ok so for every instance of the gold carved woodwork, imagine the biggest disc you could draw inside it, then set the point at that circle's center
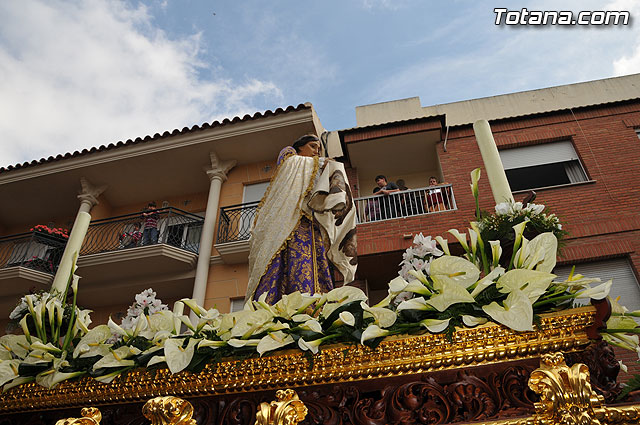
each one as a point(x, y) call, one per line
point(396, 356)
point(566, 397)
point(90, 416)
point(286, 410)
point(168, 410)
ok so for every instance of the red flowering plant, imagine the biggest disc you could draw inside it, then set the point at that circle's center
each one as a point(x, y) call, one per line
point(56, 231)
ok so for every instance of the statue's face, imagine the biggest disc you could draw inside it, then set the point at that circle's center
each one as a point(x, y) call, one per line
point(310, 149)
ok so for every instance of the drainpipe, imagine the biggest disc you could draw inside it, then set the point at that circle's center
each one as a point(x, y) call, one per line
point(217, 174)
point(88, 197)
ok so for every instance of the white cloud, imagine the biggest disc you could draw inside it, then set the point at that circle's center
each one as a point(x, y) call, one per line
point(629, 63)
point(76, 74)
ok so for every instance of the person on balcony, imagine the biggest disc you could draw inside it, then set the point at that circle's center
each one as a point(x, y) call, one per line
point(305, 214)
point(389, 207)
point(436, 199)
point(131, 239)
point(150, 218)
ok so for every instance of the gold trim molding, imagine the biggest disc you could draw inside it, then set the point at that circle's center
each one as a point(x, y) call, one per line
point(488, 344)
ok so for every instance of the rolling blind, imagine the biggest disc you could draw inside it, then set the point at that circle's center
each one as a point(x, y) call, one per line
point(624, 286)
point(529, 156)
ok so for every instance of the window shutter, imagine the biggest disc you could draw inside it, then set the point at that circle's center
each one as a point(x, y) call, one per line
point(547, 153)
point(624, 286)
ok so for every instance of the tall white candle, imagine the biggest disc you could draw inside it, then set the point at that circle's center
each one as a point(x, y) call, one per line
point(492, 163)
point(78, 232)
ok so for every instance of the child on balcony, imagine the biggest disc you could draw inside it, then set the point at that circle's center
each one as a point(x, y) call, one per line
point(131, 239)
point(150, 217)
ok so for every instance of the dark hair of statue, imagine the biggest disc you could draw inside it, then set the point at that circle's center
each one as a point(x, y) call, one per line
point(301, 141)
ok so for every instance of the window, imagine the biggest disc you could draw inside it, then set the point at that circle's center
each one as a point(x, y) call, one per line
point(237, 304)
point(638, 132)
point(254, 192)
point(549, 164)
point(624, 286)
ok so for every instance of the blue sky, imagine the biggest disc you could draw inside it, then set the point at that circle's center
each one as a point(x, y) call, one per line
point(77, 74)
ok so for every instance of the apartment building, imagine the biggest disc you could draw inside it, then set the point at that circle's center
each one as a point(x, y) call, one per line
point(576, 146)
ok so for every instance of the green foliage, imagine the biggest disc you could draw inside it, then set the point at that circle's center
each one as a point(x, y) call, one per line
point(633, 384)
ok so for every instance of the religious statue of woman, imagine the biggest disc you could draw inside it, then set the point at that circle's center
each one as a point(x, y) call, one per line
point(305, 220)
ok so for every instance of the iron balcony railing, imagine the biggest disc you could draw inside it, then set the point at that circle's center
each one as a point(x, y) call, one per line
point(235, 222)
point(35, 250)
point(406, 203)
point(174, 227)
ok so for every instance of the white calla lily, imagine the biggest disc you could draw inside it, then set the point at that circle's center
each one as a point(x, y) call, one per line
point(17, 382)
point(193, 305)
point(397, 285)
point(238, 343)
point(273, 341)
point(533, 283)
point(345, 318)
point(461, 237)
point(598, 292)
point(435, 325)
point(25, 327)
point(540, 253)
point(417, 287)
point(458, 269)
point(8, 370)
point(444, 244)
point(298, 318)
point(487, 281)
point(515, 313)
point(472, 321)
point(383, 317)
point(473, 242)
point(310, 345)
point(373, 331)
point(92, 344)
point(45, 347)
point(418, 303)
point(211, 343)
point(294, 303)
point(311, 325)
point(496, 252)
point(14, 346)
point(109, 377)
point(119, 357)
point(156, 360)
point(177, 356)
point(449, 292)
point(343, 295)
point(51, 378)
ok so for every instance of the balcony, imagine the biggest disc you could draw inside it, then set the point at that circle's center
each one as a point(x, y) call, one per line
point(407, 203)
point(28, 262)
point(115, 251)
point(234, 231)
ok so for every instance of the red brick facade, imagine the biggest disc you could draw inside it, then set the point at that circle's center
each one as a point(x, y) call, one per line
point(601, 215)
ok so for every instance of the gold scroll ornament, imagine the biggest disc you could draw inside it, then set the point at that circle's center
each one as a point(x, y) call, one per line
point(286, 410)
point(90, 416)
point(566, 397)
point(168, 410)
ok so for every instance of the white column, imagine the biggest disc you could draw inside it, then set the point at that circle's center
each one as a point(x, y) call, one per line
point(88, 198)
point(492, 163)
point(217, 174)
